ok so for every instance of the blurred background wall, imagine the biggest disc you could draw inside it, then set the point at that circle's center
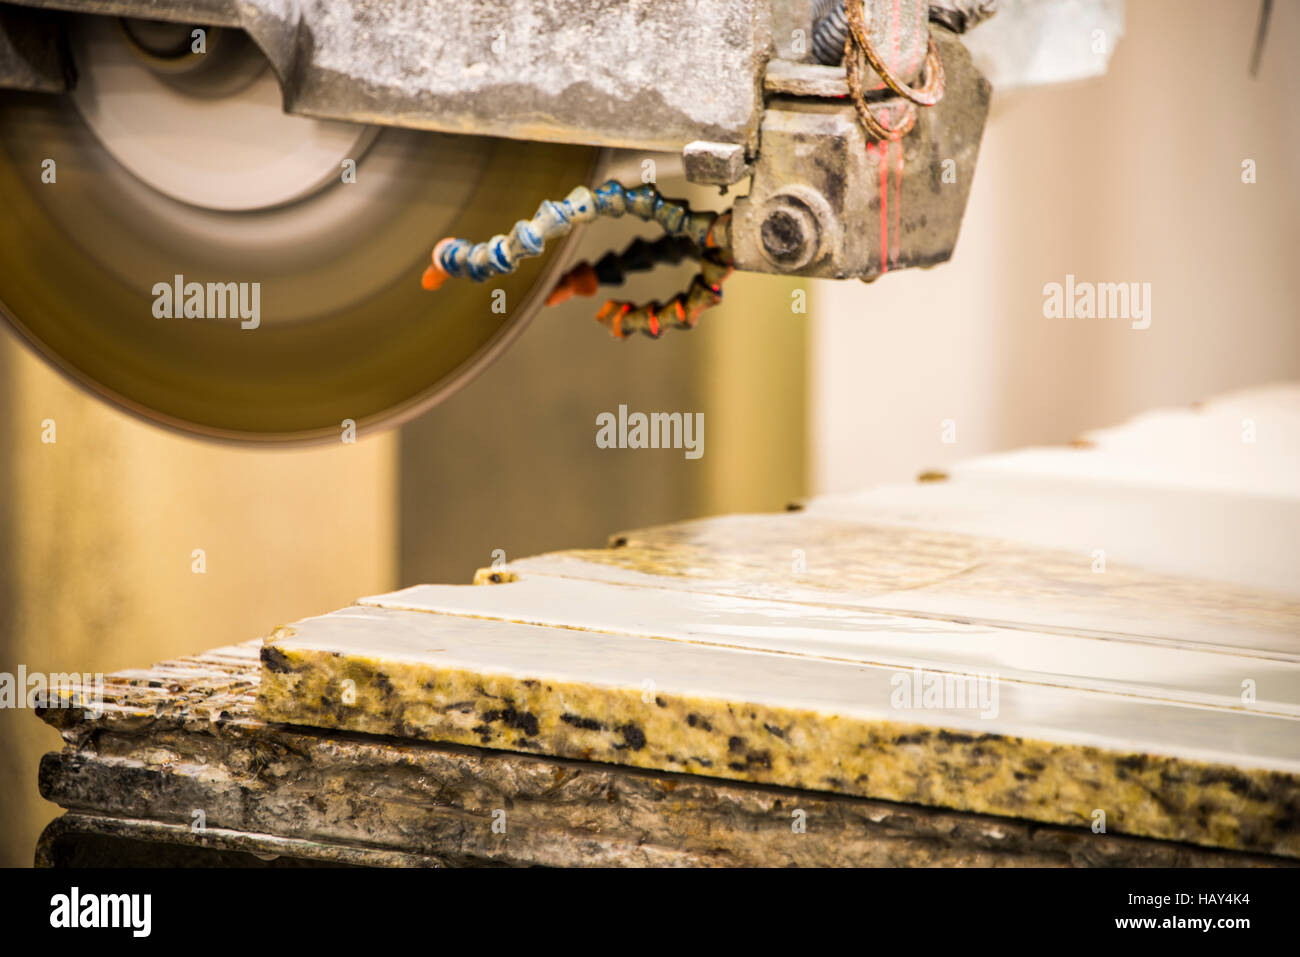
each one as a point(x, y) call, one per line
point(97, 538)
point(1134, 177)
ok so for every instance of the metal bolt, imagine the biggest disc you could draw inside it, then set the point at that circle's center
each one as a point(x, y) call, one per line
point(789, 233)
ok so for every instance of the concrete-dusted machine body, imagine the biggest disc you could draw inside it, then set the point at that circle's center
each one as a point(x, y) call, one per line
point(732, 85)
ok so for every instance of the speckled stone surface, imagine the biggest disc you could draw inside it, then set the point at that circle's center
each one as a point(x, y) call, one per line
point(1154, 767)
point(180, 738)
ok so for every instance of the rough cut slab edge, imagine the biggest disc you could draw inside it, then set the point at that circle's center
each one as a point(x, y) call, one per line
point(353, 798)
point(443, 804)
point(267, 847)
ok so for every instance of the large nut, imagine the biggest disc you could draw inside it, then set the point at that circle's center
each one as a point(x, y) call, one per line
point(789, 232)
point(794, 228)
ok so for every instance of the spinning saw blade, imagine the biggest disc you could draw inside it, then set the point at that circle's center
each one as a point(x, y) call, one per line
point(169, 169)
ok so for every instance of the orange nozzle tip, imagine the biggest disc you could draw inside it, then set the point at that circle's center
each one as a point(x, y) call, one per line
point(584, 280)
point(579, 281)
point(432, 278)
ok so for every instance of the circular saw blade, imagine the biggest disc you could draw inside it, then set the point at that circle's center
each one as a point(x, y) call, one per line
point(345, 330)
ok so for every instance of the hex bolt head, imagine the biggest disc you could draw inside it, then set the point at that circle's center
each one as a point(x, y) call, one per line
point(789, 233)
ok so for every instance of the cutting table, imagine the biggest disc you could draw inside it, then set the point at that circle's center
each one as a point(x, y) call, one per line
point(1061, 656)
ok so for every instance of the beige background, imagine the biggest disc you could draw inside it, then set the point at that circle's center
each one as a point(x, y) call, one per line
point(1132, 177)
point(97, 532)
point(511, 462)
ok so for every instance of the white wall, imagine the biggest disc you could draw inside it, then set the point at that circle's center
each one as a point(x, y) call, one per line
point(1133, 177)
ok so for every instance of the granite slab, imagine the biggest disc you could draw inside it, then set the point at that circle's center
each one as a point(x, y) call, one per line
point(1105, 635)
point(178, 770)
